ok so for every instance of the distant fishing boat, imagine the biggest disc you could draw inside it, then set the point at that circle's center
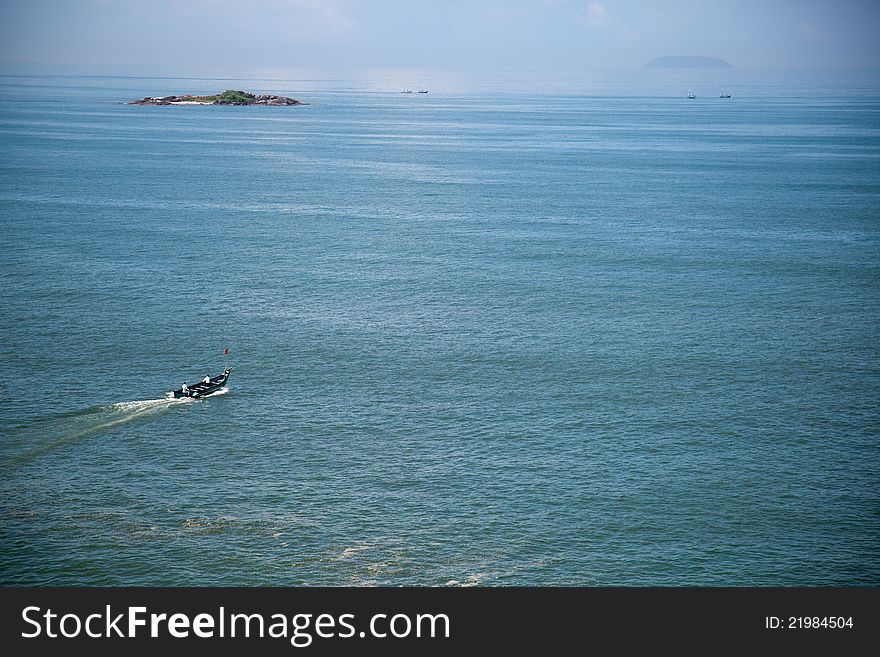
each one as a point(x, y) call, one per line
point(406, 91)
point(691, 96)
point(203, 388)
point(423, 91)
point(724, 96)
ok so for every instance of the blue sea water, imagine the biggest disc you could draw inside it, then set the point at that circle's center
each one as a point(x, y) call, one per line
point(516, 331)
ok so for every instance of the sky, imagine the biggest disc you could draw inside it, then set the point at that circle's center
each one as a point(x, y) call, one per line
point(465, 35)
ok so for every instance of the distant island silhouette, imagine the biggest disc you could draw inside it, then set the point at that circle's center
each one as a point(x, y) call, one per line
point(688, 61)
point(228, 97)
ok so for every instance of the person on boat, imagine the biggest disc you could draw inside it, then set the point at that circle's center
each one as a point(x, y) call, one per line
point(207, 379)
point(184, 389)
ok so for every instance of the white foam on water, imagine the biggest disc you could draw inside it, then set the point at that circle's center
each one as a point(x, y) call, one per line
point(353, 550)
point(132, 410)
point(122, 412)
point(53, 432)
point(145, 405)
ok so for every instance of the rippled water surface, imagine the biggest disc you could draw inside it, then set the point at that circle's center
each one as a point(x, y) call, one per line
point(589, 334)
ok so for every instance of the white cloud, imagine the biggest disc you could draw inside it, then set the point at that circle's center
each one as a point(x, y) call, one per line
point(300, 18)
point(807, 31)
point(594, 14)
point(330, 15)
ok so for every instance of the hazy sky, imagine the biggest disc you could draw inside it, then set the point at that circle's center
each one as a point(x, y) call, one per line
point(542, 35)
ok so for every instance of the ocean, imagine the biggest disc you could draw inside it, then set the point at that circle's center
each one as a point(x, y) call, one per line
point(520, 330)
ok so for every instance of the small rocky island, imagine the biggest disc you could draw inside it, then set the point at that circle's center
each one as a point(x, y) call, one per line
point(228, 97)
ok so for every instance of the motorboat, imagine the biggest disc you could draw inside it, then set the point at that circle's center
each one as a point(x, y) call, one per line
point(205, 387)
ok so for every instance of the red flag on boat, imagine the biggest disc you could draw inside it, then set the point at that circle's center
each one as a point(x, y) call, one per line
point(226, 351)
